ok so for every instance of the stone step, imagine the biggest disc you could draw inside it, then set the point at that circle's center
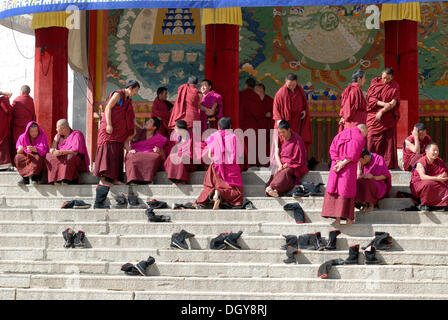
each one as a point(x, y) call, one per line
point(70, 294)
point(233, 270)
point(284, 285)
point(201, 242)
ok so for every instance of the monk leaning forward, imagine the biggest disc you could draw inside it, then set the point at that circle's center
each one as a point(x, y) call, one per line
point(414, 146)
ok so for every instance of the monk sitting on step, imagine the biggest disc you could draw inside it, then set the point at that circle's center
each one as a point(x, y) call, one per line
point(414, 146)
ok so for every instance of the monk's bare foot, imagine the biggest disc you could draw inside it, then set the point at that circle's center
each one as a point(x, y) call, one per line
point(368, 208)
point(337, 222)
point(273, 193)
point(349, 222)
point(217, 199)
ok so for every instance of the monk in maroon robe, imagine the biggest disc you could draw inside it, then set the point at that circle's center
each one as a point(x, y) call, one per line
point(32, 146)
point(186, 106)
point(68, 156)
point(161, 108)
point(345, 151)
point(414, 146)
point(147, 153)
point(116, 128)
point(267, 104)
point(353, 104)
point(429, 179)
point(5, 122)
point(290, 104)
point(383, 113)
point(290, 161)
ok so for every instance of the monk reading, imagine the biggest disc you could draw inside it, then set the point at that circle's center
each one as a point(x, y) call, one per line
point(146, 153)
point(383, 113)
point(290, 104)
point(374, 181)
point(414, 146)
point(267, 103)
point(116, 127)
point(161, 108)
point(223, 181)
point(429, 180)
point(5, 122)
point(211, 106)
point(32, 146)
point(68, 155)
point(186, 106)
point(290, 157)
point(353, 104)
point(345, 151)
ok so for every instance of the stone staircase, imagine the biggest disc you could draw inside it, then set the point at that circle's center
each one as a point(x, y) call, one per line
point(34, 264)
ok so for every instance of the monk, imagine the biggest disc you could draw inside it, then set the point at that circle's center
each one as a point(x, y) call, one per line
point(383, 113)
point(186, 106)
point(290, 157)
point(161, 108)
point(414, 146)
point(68, 155)
point(353, 104)
point(116, 127)
point(429, 180)
point(290, 104)
point(223, 181)
point(211, 106)
point(267, 103)
point(146, 153)
point(345, 151)
point(32, 146)
point(374, 181)
point(5, 122)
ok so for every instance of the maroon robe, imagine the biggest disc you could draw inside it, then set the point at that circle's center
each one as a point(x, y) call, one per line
point(382, 135)
point(353, 107)
point(186, 106)
point(109, 153)
point(410, 158)
point(251, 112)
point(161, 110)
point(22, 113)
point(5, 121)
point(288, 106)
point(179, 160)
point(431, 193)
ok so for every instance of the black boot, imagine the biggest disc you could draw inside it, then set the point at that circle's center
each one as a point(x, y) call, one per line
point(80, 204)
point(324, 269)
point(79, 239)
point(122, 202)
point(291, 241)
point(152, 217)
point(306, 241)
point(142, 265)
point(134, 203)
point(24, 181)
point(353, 254)
point(290, 252)
point(370, 255)
point(318, 243)
point(299, 214)
point(382, 241)
point(331, 245)
point(101, 196)
point(300, 191)
point(232, 238)
point(217, 243)
point(178, 239)
point(130, 269)
point(69, 237)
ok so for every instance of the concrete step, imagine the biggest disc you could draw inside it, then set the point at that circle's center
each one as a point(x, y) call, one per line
point(71, 294)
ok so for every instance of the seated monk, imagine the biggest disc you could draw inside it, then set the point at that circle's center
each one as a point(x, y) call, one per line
point(429, 179)
point(223, 181)
point(290, 161)
point(161, 108)
point(374, 181)
point(414, 146)
point(32, 146)
point(68, 155)
point(146, 153)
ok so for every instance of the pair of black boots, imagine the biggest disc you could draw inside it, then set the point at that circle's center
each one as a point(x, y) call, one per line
point(72, 239)
point(131, 202)
point(152, 217)
point(226, 239)
point(178, 239)
point(312, 241)
point(308, 189)
point(139, 268)
point(369, 252)
point(26, 180)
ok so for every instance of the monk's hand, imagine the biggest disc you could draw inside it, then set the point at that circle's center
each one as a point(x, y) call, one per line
point(342, 121)
point(285, 165)
point(267, 115)
point(368, 176)
point(303, 115)
point(131, 151)
point(443, 177)
point(157, 150)
point(57, 153)
point(415, 133)
point(379, 115)
point(109, 129)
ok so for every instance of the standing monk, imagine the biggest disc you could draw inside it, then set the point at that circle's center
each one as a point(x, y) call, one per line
point(68, 155)
point(267, 103)
point(383, 113)
point(186, 106)
point(353, 104)
point(290, 157)
point(414, 146)
point(5, 122)
point(429, 179)
point(345, 151)
point(290, 104)
point(161, 108)
point(211, 107)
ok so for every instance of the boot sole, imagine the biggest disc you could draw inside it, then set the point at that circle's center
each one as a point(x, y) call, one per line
point(230, 245)
point(178, 246)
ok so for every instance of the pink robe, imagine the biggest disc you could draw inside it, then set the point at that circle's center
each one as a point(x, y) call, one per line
point(353, 107)
point(208, 101)
point(376, 167)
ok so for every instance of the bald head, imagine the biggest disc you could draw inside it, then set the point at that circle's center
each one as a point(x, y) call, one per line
point(25, 89)
point(63, 127)
point(63, 123)
point(363, 129)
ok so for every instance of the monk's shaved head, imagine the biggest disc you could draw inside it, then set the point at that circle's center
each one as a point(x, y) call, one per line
point(25, 89)
point(363, 129)
point(429, 145)
point(63, 123)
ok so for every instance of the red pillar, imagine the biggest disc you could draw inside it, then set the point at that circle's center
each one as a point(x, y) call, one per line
point(51, 77)
point(402, 56)
point(222, 65)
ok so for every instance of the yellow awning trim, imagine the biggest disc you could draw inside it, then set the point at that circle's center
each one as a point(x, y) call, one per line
point(49, 19)
point(222, 16)
point(400, 11)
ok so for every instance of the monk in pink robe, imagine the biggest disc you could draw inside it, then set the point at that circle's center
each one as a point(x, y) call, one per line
point(290, 161)
point(5, 121)
point(223, 181)
point(383, 113)
point(345, 151)
point(161, 108)
point(429, 179)
point(414, 146)
point(147, 153)
point(267, 104)
point(211, 106)
point(116, 128)
point(186, 106)
point(68, 156)
point(32, 146)
point(374, 181)
point(353, 104)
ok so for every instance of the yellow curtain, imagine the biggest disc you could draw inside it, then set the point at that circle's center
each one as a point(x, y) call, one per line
point(400, 11)
point(222, 16)
point(49, 19)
